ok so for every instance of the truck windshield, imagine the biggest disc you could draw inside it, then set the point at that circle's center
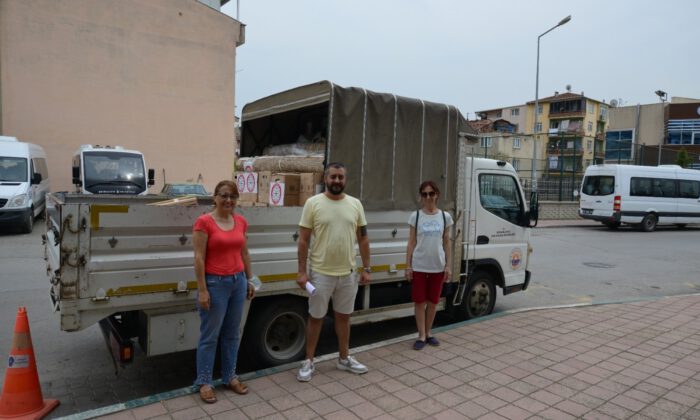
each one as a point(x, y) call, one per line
point(598, 185)
point(109, 172)
point(13, 169)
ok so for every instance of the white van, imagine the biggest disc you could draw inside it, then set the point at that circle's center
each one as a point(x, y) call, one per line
point(642, 196)
point(24, 182)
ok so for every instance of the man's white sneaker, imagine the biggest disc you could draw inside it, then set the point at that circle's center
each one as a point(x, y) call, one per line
point(306, 370)
point(352, 365)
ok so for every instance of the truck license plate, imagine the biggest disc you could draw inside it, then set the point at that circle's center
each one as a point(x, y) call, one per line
point(586, 211)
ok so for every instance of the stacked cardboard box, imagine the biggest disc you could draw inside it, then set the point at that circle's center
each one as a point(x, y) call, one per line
point(267, 188)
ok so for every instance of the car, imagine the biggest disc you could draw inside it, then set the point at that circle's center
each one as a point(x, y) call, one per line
point(176, 190)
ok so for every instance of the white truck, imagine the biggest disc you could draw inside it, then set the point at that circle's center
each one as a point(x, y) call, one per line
point(117, 261)
point(110, 170)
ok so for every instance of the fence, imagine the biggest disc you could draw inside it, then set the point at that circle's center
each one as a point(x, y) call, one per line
point(559, 176)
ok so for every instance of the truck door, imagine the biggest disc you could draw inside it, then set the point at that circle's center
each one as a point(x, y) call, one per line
point(500, 212)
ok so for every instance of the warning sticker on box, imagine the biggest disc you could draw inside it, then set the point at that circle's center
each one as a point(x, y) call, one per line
point(18, 361)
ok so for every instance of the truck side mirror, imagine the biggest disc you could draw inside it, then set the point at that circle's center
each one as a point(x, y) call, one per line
point(534, 212)
point(36, 179)
point(76, 176)
point(151, 177)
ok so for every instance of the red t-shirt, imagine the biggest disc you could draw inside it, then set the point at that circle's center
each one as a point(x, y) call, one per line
point(223, 246)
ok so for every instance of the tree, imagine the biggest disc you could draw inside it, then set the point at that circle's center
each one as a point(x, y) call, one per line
point(682, 158)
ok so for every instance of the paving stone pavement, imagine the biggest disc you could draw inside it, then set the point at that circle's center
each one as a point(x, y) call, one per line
point(633, 360)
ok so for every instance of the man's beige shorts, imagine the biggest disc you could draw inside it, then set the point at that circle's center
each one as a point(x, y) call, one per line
point(342, 289)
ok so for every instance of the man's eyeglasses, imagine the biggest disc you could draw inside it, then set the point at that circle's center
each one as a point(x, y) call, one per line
point(228, 197)
point(428, 194)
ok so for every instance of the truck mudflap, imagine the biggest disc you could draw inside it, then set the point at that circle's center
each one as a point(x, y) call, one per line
point(518, 287)
point(118, 343)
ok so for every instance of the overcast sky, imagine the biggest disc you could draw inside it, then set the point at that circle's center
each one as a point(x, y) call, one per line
point(475, 55)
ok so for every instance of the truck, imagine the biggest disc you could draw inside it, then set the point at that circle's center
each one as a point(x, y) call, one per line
point(127, 265)
point(110, 170)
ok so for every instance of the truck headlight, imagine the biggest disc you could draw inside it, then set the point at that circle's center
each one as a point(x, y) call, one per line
point(18, 201)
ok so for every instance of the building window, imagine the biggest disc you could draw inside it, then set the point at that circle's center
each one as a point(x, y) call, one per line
point(538, 127)
point(516, 164)
point(618, 145)
point(515, 112)
point(540, 107)
point(603, 113)
point(486, 142)
point(589, 145)
point(516, 143)
point(684, 131)
point(590, 126)
point(499, 114)
point(591, 108)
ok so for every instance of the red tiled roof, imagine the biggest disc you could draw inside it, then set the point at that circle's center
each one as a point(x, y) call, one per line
point(561, 97)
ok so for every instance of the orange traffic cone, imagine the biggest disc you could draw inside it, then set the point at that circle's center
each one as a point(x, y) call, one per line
point(21, 394)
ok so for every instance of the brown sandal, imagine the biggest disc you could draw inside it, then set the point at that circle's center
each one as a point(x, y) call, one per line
point(206, 393)
point(237, 386)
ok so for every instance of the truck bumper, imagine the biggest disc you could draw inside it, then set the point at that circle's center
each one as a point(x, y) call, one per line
point(518, 287)
point(14, 216)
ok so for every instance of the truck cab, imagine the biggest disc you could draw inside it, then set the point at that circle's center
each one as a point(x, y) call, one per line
point(110, 170)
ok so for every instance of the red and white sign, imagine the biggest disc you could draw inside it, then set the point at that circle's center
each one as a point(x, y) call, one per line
point(251, 181)
point(277, 193)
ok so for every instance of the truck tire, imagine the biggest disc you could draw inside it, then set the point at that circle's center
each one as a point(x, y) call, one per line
point(276, 332)
point(648, 223)
point(479, 298)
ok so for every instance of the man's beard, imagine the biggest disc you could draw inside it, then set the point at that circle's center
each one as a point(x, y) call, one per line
point(335, 189)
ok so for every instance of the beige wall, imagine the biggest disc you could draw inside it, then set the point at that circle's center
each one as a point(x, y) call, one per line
point(651, 120)
point(151, 75)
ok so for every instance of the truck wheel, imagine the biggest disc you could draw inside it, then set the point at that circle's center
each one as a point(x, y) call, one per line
point(649, 223)
point(28, 224)
point(276, 333)
point(479, 298)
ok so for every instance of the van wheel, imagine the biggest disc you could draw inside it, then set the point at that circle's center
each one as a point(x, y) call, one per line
point(276, 333)
point(612, 225)
point(479, 298)
point(649, 223)
point(28, 224)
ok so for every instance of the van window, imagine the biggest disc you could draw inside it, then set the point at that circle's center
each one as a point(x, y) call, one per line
point(664, 187)
point(500, 195)
point(688, 189)
point(641, 187)
point(39, 166)
point(13, 169)
point(598, 185)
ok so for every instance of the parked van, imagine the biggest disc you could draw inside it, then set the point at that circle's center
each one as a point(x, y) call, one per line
point(642, 196)
point(24, 182)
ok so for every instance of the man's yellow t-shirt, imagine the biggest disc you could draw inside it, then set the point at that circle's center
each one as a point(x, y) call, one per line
point(333, 224)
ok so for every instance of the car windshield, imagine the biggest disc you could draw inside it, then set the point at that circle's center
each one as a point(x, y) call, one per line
point(13, 169)
point(114, 172)
point(186, 189)
point(598, 185)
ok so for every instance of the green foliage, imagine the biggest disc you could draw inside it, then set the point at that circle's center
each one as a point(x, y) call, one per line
point(683, 159)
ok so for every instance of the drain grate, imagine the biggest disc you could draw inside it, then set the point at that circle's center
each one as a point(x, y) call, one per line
point(598, 265)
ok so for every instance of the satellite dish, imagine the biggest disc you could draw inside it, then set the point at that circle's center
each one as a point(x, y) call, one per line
point(568, 88)
point(613, 103)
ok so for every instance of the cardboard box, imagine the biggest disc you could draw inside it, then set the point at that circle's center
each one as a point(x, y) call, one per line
point(247, 182)
point(310, 185)
point(264, 186)
point(284, 190)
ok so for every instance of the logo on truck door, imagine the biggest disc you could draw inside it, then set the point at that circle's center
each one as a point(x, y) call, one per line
point(516, 258)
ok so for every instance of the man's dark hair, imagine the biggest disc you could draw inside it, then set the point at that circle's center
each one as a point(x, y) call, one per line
point(336, 165)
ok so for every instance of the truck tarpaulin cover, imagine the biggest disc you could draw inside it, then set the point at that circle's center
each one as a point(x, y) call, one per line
point(389, 144)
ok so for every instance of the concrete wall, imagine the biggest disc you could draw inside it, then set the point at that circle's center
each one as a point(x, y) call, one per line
point(558, 210)
point(651, 121)
point(151, 75)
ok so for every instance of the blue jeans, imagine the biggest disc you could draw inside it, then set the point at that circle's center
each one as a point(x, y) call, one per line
point(221, 322)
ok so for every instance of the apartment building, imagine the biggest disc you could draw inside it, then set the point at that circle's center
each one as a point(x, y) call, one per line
point(152, 75)
point(500, 139)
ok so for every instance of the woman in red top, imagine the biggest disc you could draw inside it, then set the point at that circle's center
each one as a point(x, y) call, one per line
point(222, 268)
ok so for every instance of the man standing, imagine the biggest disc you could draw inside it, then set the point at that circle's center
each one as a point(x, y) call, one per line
point(336, 221)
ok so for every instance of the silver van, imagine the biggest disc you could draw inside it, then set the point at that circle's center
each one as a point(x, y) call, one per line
point(24, 182)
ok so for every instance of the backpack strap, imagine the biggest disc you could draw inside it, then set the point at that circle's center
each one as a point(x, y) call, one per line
point(416, 226)
point(444, 222)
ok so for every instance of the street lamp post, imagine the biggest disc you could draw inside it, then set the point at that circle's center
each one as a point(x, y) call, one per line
point(533, 173)
point(662, 95)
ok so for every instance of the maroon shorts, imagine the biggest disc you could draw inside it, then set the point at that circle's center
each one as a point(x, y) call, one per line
point(426, 287)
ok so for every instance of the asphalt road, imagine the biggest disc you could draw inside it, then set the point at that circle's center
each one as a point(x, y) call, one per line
point(570, 265)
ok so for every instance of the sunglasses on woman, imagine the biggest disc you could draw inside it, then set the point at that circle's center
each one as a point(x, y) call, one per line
point(426, 194)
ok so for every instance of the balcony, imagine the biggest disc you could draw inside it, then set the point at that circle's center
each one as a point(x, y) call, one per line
point(567, 114)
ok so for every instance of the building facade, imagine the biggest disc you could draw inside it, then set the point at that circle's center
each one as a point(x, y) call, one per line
point(151, 75)
point(500, 139)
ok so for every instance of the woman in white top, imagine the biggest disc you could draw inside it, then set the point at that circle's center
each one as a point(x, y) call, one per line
point(428, 260)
